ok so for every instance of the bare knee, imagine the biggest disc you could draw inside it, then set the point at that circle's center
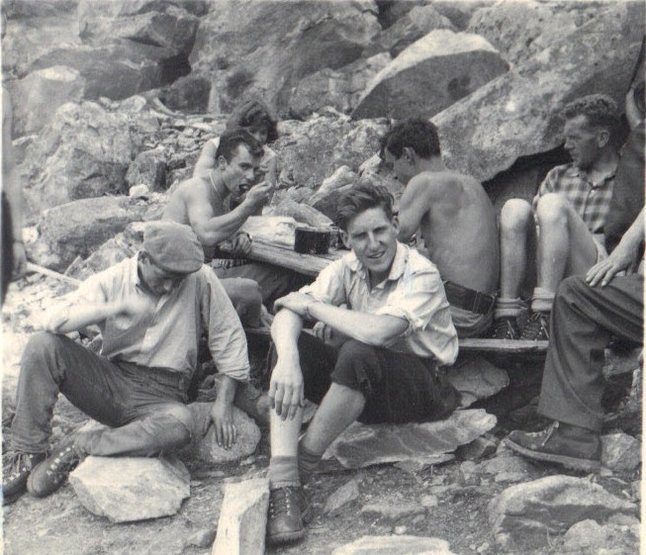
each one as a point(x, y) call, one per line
point(515, 217)
point(551, 209)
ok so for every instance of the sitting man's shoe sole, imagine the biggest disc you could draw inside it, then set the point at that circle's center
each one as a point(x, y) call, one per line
point(573, 463)
point(49, 475)
point(15, 479)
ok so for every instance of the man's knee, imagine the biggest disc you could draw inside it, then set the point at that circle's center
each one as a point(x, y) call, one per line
point(357, 366)
point(551, 208)
point(41, 345)
point(178, 423)
point(515, 216)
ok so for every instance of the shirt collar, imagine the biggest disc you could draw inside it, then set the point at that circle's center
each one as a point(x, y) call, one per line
point(396, 270)
point(574, 171)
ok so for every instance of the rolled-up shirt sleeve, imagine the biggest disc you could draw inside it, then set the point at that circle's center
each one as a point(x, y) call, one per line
point(418, 299)
point(226, 338)
point(328, 286)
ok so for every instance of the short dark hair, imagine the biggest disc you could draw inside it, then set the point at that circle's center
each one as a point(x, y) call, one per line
point(254, 115)
point(230, 141)
point(599, 109)
point(362, 197)
point(416, 133)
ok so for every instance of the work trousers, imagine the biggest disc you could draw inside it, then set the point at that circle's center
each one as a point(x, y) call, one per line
point(398, 387)
point(143, 406)
point(583, 320)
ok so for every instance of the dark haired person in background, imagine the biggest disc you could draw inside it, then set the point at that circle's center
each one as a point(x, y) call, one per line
point(375, 361)
point(565, 221)
point(587, 312)
point(456, 219)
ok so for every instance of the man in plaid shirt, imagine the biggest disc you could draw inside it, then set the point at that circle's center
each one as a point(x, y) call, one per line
point(564, 224)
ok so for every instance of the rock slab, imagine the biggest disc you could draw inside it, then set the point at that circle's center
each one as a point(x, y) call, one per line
point(525, 515)
point(476, 378)
point(360, 445)
point(243, 518)
point(395, 545)
point(347, 493)
point(620, 452)
point(588, 536)
point(127, 489)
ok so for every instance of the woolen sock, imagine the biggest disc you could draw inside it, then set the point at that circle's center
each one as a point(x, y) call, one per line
point(542, 300)
point(308, 462)
point(508, 308)
point(283, 472)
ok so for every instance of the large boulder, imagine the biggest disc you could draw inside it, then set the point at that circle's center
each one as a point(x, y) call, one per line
point(430, 75)
point(588, 536)
point(312, 150)
point(84, 152)
point(78, 228)
point(339, 88)
point(526, 515)
point(265, 48)
point(521, 29)
point(40, 93)
point(164, 23)
point(517, 114)
point(126, 489)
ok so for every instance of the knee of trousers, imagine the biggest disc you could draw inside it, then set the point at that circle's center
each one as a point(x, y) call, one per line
point(570, 289)
point(178, 424)
point(40, 348)
point(356, 362)
point(246, 291)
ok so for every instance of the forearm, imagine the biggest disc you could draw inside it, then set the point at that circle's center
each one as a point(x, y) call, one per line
point(634, 234)
point(221, 228)
point(70, 318)
point(372, 329)
point(285, 330)
point(227, 391)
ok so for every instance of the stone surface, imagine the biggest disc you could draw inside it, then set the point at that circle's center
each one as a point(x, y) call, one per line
point(204, 447)
point(126, 489)
point(160, 23)
point(78, 228)
point(392, 510)
point(264, 48)
point(362, 445)
point(345, 494)
point(312, 150)
point(243, 518)
point(524, 515)
point(395, 545)
point(419, 21)
point(517, 114)
point(40, 93)
point(149, 168)
point(479, 448)
point(84, 152)
point(588, 536)
point(620, 452)
point(430, 75)
point(340, 88)
point(476, 378)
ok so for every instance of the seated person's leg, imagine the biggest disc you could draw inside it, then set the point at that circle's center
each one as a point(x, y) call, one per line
point(246, 298)
point(565, 246)
point(470, 324)
point(517, 237)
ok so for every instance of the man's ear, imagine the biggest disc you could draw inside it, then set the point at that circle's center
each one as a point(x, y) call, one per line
point(221, 162)
point(409, 154)
point(603, 137)
point(395, 222)
point(344, 238)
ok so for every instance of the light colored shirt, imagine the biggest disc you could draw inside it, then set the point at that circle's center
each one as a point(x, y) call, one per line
point(166, 334)
point(412, 291)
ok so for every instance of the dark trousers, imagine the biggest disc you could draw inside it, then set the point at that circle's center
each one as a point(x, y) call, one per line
point(144, 406)
point(398, 387)
point(584, 319)
point(7, 246)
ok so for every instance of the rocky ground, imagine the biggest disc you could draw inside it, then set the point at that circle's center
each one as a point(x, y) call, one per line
point(484, 500)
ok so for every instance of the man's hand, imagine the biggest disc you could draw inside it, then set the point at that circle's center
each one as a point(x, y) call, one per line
point(225, 430)
point(19, 259)
point(329, 335)
point(259, 194)
point(620, 259)
point(296, 302)
point(241, 244)
point(286, 390)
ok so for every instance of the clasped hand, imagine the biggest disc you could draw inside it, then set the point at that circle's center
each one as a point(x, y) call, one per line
point(286, 389)
point(296, 302)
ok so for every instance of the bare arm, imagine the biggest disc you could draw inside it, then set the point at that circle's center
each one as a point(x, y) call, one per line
point(222, 412)
point(11, 186)
point(419, 195)
point(206, 162)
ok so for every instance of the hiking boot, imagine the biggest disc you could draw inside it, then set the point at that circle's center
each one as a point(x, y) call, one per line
point(505, 328)
point(289, 510)
point(15, 474)
point(50, 474)
point(570, 446)
point(537, 327)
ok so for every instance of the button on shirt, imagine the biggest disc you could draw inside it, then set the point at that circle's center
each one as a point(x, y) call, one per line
point(166, 333)
point(413, 291)
point(590, 200)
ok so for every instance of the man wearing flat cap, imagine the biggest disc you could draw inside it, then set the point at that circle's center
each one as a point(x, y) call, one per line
point(151, 310)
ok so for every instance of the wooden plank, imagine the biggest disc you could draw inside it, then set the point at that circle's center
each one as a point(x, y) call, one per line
point(308, 264)
point(31, 267)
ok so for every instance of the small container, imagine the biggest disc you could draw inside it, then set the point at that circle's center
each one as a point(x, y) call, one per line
point(311, 240)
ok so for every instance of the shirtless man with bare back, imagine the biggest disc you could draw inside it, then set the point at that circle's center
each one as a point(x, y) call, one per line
point(456, 220)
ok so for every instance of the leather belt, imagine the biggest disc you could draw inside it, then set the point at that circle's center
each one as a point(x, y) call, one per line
point(468, 299)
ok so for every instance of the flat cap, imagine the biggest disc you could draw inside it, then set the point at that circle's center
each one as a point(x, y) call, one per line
point(173, 247)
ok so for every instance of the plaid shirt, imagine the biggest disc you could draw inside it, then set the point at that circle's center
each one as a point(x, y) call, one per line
point(590, 200)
